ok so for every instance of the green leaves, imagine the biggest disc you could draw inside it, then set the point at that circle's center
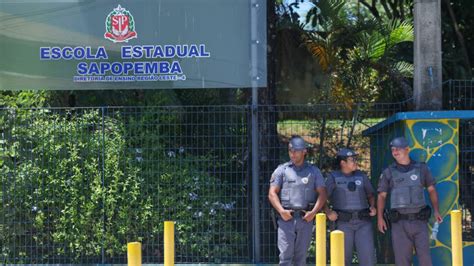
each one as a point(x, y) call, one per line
point(406, 69)
point(358, 54)
point(80, 181)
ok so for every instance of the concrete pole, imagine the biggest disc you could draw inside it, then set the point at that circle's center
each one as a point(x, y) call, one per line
point(427, 52)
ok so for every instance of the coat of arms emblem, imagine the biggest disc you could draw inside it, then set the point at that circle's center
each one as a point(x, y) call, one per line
point(119, 25)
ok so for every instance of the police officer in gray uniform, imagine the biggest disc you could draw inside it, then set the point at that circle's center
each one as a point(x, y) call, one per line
point(405, 181)
point(351, 196)
point(297, 192)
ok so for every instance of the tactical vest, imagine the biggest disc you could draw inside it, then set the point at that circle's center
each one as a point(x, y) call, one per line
point(407, 190)
point(297, 191)
point(344, 199)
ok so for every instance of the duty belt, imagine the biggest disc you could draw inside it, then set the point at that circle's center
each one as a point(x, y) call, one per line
point(345, 216)
point(423, 214)
point(297, 212)
point(409, 216)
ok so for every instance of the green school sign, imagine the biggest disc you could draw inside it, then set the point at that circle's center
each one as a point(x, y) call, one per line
point(134, 44)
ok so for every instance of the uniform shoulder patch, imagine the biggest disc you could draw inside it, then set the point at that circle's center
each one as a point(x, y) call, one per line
point(272, 179)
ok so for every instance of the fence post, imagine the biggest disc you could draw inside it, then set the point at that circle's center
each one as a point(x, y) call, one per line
point(104, 228)
point(254, 64)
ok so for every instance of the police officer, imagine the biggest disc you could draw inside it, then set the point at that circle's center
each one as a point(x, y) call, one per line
point(351, 196)
point(297, 192)
point(405, 181)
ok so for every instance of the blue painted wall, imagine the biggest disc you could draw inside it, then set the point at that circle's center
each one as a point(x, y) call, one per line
point(434, 141)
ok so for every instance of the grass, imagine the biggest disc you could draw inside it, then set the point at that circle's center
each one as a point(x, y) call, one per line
point(337, 135)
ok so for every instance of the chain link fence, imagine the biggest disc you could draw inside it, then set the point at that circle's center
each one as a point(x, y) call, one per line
point(326, 128)
point(459, 95)
point(77, 184)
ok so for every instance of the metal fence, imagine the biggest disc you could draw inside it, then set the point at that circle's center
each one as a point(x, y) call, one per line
point(77, 184)
point(459, 95)
point(326, 127)
point(466, 177)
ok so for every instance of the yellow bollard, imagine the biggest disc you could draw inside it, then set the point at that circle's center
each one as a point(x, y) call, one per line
point(169, 243)
point(456, 237)
point(337, 248)
point(134, 254)
point(320, 239)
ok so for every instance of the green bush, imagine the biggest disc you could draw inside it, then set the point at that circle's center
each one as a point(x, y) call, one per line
point(78, 182)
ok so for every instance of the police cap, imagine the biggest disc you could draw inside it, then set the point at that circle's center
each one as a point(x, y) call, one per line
point(399, 142)
point(346, 152)
point(297, 143)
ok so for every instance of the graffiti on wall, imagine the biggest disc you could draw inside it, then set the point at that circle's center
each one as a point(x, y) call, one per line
point(436, 143)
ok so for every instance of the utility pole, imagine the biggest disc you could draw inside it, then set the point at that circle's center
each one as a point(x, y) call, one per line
point(427, 52)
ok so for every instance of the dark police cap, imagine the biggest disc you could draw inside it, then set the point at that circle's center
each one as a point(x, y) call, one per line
point(345, 152)
point(399, 142)
point(297, 143)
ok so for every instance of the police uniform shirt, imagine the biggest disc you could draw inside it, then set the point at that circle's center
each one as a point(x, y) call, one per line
point(331, 184)
point(386, 180)
point(279, 174)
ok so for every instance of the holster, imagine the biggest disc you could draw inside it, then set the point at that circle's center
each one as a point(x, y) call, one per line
point(393, 216)
point(386, 217)
point(273, 216)
point(424, 213)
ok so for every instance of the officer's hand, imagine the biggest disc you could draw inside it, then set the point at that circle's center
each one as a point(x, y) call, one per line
point(309, 216)
point(286, 215)
point(332, 215)
point(382, 226)
point(373, 211)
point(438, 217)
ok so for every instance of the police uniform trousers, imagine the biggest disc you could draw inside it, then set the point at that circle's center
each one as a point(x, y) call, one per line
point(294, 238)
point(409, 234)
point(360, 233)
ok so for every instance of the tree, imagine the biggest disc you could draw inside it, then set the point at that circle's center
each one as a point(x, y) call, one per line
point(359, 55)
point(457, 36)
point(391, 9)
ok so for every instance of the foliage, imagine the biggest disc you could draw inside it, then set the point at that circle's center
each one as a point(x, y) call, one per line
point(394, 9)
point(76, 182)
point(358, 54)
point(457, 26)
point(23, 99)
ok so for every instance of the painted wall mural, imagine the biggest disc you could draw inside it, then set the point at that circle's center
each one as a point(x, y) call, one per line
point(436, 143)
